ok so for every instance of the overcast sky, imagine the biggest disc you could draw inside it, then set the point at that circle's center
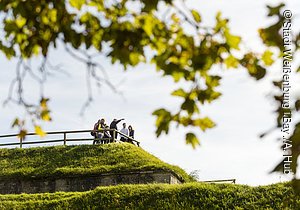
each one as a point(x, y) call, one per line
point(230, 150)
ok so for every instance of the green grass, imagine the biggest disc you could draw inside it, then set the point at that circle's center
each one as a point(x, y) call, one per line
point(162, 196)
point(60, 161)
point(94, 159)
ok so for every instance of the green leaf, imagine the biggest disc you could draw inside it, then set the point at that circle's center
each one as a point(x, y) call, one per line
point(36, 49)
point(20, 21)
point(22, 134)
point(148, 25)
point(231, 62)
point(180, 93)
point(250, 61)
point(212, 80)
point(16, 122)
point(271, 36)
point(8, 51)
point(274, 10)
point(98, 4)
point(45, 20)
point(77, 3)
point(43, 103)
point(257, 71)
point(149, 5)
point(53, 15)
point(267, 58)
point(39, 131)
point(204, 123)
point(177, 75)
point(196, 16)
point(190, 106)
point(134, 58)
point(175, 18)
point(45, 115)
point(191, 139)
point(221, 23)
point(163, 120)
point(232, 40)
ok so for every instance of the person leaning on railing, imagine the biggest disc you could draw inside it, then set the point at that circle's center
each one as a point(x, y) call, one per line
point(124, 131)
point(99, 131)
point(113, 125)
point(106, 135)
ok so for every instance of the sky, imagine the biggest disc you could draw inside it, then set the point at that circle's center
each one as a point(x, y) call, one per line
point(231, 150)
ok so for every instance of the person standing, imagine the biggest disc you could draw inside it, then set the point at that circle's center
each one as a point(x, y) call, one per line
point(94, 132)
point(131, 131)
point(131, 134)
point(97, 133)
point(106, 135)
point(124, 130)
point(113, 125)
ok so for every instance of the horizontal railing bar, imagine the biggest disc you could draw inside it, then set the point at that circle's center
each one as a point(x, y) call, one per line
point(53, 141)
point(122, 134)
point(42, 142)
point(58, 132)
point(81, 139)
point(10, 144)
point(32, 142)
point(221, 180)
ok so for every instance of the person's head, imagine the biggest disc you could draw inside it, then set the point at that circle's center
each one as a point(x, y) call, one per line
point(130, 127)
point(115, 120)
point(102, 120)
point(124, 125)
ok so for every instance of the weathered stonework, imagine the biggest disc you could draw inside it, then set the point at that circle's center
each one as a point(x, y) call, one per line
point(84, 183)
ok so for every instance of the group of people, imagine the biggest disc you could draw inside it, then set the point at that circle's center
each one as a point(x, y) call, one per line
point(106, 134)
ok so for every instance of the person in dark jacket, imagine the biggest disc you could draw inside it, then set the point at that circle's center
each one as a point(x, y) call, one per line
point(131, 131)
point(131, 134)
point(94, 133)
point(113, 125)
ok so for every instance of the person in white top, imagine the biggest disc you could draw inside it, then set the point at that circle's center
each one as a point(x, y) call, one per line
point(125, 131)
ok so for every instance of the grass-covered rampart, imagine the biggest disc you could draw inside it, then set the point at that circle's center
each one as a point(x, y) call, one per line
point(162, 196)
point(60, 161)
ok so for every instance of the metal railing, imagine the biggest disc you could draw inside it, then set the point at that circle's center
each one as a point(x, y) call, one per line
point(221, 181)
point(22, 141)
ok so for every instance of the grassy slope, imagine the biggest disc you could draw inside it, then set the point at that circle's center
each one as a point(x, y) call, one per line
point(84, 159)
point(162, 196)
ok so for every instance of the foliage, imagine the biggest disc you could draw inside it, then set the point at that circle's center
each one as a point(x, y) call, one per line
point(79, 160)
point(162, 196)
point(32, 28)
point(273, 37)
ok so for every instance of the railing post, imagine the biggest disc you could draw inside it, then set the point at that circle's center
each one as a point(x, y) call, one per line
point(114, 135)
point(21, 140)
point(65, 138)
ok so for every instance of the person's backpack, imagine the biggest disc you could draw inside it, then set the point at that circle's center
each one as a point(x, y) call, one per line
point(93, 133)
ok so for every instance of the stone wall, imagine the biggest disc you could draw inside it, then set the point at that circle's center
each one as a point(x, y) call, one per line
point(84, 183)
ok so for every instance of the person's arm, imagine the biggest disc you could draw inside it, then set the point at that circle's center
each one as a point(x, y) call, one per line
point(119, 120)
